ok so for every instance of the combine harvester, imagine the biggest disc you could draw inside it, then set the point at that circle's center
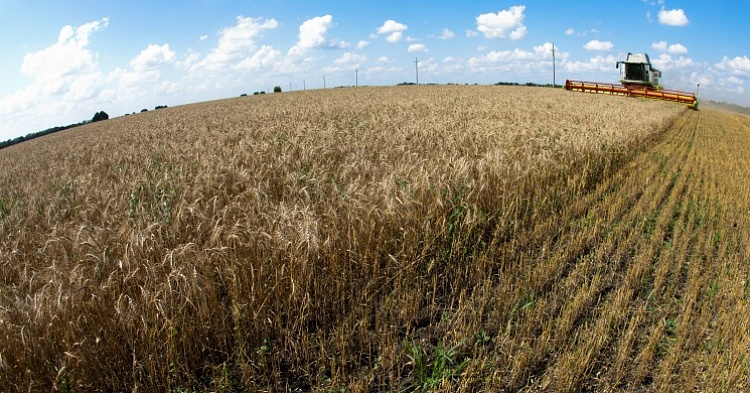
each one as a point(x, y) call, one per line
point(638, 79)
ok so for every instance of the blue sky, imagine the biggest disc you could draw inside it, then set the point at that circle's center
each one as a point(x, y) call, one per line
point(62, 61)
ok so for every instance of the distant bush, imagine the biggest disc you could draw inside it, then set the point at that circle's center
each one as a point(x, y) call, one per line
point(263, 92)
point(277, 89)
point(243, 95)
point(99, 116)
point(144, 110)
point(160, 107)
point(528, 84)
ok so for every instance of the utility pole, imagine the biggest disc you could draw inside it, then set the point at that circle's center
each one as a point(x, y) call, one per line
point(324, 81)
point(290, 86)
point(416, 68)
point(356, 77)
point(553, 65)
point(304, 87)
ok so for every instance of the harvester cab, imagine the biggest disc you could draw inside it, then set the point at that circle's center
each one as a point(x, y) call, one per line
point(637, 79)
point(637, 70)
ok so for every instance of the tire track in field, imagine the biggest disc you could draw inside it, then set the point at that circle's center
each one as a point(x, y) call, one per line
point(646, 308)
point(644, 346)
point(643, 225)
point(585, 268)
point(598, 216)
point(621, 227)
point(680, 280)
point(699, 274)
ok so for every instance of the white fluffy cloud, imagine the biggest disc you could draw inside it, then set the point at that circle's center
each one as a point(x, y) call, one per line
point(517, 60)
point(153, 57)
point(346, 63)
point(660, 46)
point(265, 58)
point(67, 59)
point(143, 78)
point(666, 62)
point(452, 64)
point(67, 68)
point(236, 43)
point(447, 34)
point(362, 44)
point(393, 30)
point(504, 56)
point(65, 79)
point(429, 66)
point(572, 32)
point(598, 63)
point(504, 24)
point(144, 74)
point(737, 66)
point(413, 48)
point(312, 34)
point(545, 51)
point(677, 49)
point(350, 59)
point(674, 49)
point(673, 17)
point(601, 46)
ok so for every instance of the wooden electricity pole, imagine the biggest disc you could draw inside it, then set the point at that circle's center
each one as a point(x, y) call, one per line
point(416, 68)
point(553, 65)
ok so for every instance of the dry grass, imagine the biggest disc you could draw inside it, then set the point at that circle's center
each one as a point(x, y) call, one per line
point(380, 239)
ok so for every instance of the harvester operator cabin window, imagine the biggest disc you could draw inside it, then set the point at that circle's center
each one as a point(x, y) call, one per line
point(635, 72)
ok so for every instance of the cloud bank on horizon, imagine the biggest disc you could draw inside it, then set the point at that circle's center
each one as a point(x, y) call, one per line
point(85, 68)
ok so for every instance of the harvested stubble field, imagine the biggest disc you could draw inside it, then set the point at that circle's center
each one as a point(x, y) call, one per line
point(422, 238)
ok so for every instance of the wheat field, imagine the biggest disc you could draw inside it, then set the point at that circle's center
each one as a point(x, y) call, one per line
point(412, 238)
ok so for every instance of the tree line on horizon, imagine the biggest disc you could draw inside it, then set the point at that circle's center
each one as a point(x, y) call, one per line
point(98, 116)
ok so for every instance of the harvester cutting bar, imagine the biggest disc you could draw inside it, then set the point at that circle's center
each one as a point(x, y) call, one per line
point(633, 91)
point(666, 95)
point(596, 87)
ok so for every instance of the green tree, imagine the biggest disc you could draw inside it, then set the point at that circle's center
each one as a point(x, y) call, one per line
point(99, 116)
